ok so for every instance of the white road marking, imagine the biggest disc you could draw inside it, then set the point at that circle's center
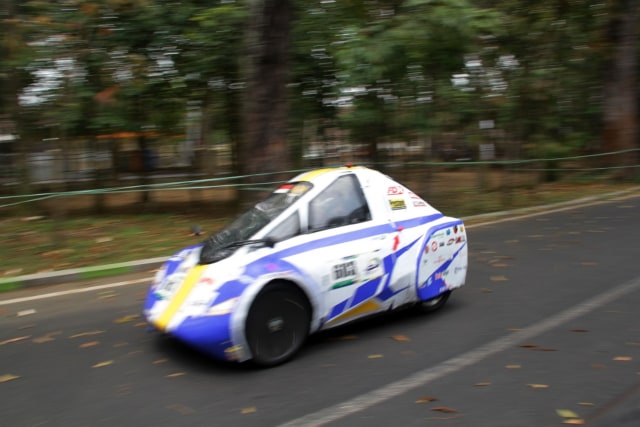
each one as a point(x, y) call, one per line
point(394, 389)
point(74, 291)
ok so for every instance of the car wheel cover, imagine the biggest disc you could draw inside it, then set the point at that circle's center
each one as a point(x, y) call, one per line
point(277, 326)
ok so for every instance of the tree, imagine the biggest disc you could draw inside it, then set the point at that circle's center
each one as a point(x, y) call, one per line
point(264, 145)
point(620, 95)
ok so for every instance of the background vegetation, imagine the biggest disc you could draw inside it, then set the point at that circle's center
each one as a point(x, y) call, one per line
point(119, 97)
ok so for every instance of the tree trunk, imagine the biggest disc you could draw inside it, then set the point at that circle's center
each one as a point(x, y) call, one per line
point(620, 108)
point(264, 145)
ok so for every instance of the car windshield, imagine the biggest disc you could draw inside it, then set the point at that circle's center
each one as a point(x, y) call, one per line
point(225, 241)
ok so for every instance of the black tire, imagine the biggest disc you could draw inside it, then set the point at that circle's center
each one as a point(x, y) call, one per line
point(434, 304)
point(277, 324)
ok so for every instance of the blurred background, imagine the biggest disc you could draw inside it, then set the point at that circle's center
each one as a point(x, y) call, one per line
point(138, 102)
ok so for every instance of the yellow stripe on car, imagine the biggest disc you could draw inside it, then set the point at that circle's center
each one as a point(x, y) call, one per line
point(309, 176)
point(366, 307)
point(180, 296)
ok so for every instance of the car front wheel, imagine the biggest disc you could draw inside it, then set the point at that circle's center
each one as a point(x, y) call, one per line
point(435, 303)
point(277, 324)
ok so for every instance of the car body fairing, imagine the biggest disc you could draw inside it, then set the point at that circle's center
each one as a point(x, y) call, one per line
point(352, 240)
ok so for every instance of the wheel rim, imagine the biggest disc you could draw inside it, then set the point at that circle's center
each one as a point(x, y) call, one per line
point(435, 303)
point(277, 326)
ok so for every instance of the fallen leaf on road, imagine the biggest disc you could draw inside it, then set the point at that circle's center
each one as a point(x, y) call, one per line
point(401, 338)
point(544, 349)
point(598, 366)
point(8, 377)
point(86, 334)
point(483, 384)
point(159, 361)
point(17, 339)
point(528, 345)
point(623, 359)
point(426, 399)
point(538, 385)
point(444, 409)
point(89, 344)
point(26, 312)
point(586, 404)
point(574, 421)
point(513, 366)
point(579, 330)
point(46, 338)
point(499, 264)
point(498, 279)
point(566, 413)
point(176, 374)
point(375, 356)
point(102, 364)
point(21, 328)
point(249, 410)
point(348, 337)
point(128, 318)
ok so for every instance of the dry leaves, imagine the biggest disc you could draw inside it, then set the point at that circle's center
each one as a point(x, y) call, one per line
point(103, 364)
point(375, 356)
point(8, 377)
point(86, 334)
point(570, 417)
point(26, 312)
point(623, 359)
point(444, 409)
point(482, 384)
point(46, 338)
point(89, 344)
point(513, 366)
point(401, 338)
point(176, 374)
point(426, 399)
point(17, 339)
point(538, 385)
point(249, 410)
point(498, 279)
point(128, 318)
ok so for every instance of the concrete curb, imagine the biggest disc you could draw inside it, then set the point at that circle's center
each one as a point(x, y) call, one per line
point(65, 276)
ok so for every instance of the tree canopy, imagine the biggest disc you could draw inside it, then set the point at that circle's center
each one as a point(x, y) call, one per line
point(551, 76)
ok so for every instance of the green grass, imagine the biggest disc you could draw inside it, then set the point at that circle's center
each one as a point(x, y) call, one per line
point(32, 244)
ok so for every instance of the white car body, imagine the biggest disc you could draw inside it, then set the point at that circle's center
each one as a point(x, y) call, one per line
point(403, 251)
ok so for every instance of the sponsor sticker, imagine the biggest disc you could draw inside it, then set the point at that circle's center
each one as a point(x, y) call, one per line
point(397, 204)
point(344, 274)
point(395, 190)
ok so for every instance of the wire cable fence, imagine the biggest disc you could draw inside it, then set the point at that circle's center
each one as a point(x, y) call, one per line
point(431, 179)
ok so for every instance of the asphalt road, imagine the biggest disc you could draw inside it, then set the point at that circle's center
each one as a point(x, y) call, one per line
point(545, 332)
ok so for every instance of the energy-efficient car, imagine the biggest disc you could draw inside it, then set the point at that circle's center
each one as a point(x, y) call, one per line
point(326, 248)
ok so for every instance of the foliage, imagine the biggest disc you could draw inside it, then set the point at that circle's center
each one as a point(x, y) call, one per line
point(385, 70)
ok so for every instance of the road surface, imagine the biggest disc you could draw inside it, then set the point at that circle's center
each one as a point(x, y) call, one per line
point(546, 332)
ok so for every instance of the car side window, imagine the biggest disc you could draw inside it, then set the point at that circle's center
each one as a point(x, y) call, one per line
point(342, 203)
point(289, 228)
